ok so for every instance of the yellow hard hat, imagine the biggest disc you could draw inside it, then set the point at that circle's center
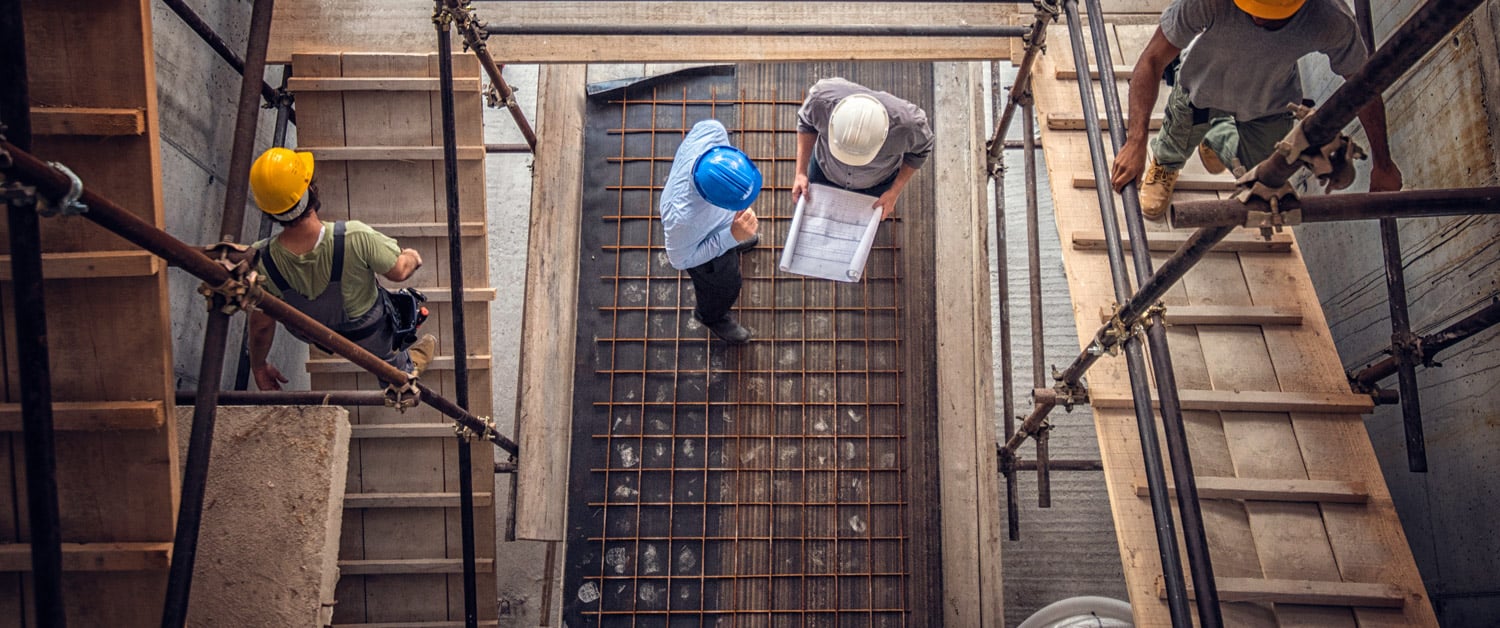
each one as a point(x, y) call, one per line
point(279, 178)
point(1270, 9)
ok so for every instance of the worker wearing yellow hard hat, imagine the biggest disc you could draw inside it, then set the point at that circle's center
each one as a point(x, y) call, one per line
point(327, 270)
point(1232, 65)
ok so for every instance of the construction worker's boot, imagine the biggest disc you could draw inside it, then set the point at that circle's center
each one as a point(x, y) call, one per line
point(421, 353)
point(727, 329)
point(1156, 190)
point(1210, 159)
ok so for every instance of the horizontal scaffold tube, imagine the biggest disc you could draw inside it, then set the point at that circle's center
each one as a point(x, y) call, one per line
point(1337, 207)
point(748, 30)
point(291, 397)
point(121, 222)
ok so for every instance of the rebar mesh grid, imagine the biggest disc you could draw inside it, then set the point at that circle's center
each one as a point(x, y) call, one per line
point(756, 486)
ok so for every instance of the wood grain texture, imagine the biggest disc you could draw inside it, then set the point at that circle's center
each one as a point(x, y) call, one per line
point(92, 265)
point(97, 121)
point(544, 401)
point(1306, 592)
point(94, 557)
point(79, 416)
point(1248, 400)
point(1320, 491)
point(1222, 315)
point(1167, 241)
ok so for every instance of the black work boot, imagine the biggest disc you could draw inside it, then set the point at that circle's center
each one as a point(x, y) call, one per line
point(727, 329)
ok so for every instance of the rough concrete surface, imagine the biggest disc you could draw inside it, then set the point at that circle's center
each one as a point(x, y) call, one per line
point(268, 546)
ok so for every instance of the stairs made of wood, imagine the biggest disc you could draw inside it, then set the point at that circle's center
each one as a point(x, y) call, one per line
point(92, 416)
point(1222, 315)
point(411, 500)
point(1168, 241)
point(1272, 490)
point(94, 556)
point(439, 363)
point(393, 566)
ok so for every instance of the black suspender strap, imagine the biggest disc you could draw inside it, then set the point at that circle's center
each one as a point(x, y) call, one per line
point(273, 271)
point(337, 274)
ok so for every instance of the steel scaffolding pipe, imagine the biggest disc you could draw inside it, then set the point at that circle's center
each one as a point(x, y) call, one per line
point(207, 34)
point(1002, 297)
point(1020, 90)
point(278, 139)
point(1337, 207)
point(443, 23)
point(1416, 36)
point(1194, 537)
point(474, 35)
point(1145, 418)
point(121, 222)
point(1430, 345)
point(290, 397)
point(216, 330)
point(753, 30)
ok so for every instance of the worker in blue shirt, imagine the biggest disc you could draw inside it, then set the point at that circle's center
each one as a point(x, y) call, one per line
point(706, 218)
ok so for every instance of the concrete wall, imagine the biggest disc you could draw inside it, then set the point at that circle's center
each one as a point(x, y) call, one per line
point(1443, 130)
point(199, 97)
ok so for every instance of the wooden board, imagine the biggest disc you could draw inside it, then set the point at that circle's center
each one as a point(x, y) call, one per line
point(1322, 491)
point(1172, 240)
point(1222, 315)
point(376, 123)
point(544, 400)
point(97, 105)
point(966, 407)
point(326, 26)
point(1296, 546)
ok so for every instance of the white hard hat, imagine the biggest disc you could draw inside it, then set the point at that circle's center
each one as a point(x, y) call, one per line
point(857, 129)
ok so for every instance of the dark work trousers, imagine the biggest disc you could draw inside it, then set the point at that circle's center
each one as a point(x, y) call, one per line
point(815, 175)
point(717, 285)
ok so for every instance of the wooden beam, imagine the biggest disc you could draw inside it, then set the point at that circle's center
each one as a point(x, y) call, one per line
point(544, 400)
point(439, 363)
point(402, 430)
point(94, 557)
point(412, 500)
point(1187, 182)
point(441, 294)
point(397, 26)
point(427, 229)
point(92, 265)
point(1070, 73)
point(1249, 401)
point(1074, 122)
point(365, 84)
point(412, 566)
point(1305, 592)
point(1169, 241)
point(1223, 315)
point(390, 153)
point(98, 121)
point(81, 416)
point(1272, 490)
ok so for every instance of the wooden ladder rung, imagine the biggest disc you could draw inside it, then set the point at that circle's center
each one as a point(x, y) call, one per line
point(93, 121)
point(443, 294)
point(1186, 182)
point(403, 430)
point(94, 556)
point(376, 84)
point(439, 363)
point(92, 416)
point(1237, 242)
point(1272, 490)
point(411, 500)
point(1223, 315)
point(411, 566)
point(1306, 592)
point(391, 153)
point(1070, 73)
point(92, 264)
point(427, 229)
point(1248, 401)
point(417, 624)
point(1074, 122)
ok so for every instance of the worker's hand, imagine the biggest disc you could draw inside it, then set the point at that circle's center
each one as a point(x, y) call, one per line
point(415, 256)
point(744, 226)
point(799, 187)
point(267, 377)
point(887, 203)
point(1385, 177)
point(1130, 162)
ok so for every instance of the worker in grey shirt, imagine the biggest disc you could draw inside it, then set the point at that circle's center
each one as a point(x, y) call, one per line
point(859, 139)
point(1233, 87)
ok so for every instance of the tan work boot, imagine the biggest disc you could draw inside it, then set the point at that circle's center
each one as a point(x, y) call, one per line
point(421, 353)
point(1156, 190)
point(1210, 159)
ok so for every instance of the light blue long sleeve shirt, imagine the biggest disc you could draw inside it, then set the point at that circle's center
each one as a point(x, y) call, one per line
point(696, 231)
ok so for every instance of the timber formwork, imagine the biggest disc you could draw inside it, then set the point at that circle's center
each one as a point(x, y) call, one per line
point(378, 145)
point(761, 485)
point(1269, 415)
point(94, 108)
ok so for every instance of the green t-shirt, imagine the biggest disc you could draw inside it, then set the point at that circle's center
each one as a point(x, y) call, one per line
point(367, 253)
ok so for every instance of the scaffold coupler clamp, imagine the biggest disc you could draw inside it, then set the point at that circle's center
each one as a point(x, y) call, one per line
point(1408, 345)
point(468, 434)
point(1069, 395)
point(1275, 217)
point(404, 395)
point(442, 15)
point(17, 195)
point(1046, 10)
point(68, 205)
point(241, 291)
point(1007, 461)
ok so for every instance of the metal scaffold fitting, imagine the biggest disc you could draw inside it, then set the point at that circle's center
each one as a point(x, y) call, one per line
point(405, 395)
point(68, 205)
point(469, 435)
point(241, 291)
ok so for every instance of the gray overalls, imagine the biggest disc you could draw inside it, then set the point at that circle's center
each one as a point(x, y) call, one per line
point(373, 331)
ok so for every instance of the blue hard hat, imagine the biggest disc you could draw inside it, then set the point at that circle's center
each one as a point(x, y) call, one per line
point(726, 177)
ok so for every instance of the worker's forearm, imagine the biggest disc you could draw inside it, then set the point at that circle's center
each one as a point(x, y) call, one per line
point(1143, 83)
point(406, 265)
point(805, 143)
point(902, 177)
point(1372, 116)
point(262, 335)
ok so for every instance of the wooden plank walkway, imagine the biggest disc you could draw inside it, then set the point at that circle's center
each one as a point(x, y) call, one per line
point(400, 547)
point(1280, 557)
